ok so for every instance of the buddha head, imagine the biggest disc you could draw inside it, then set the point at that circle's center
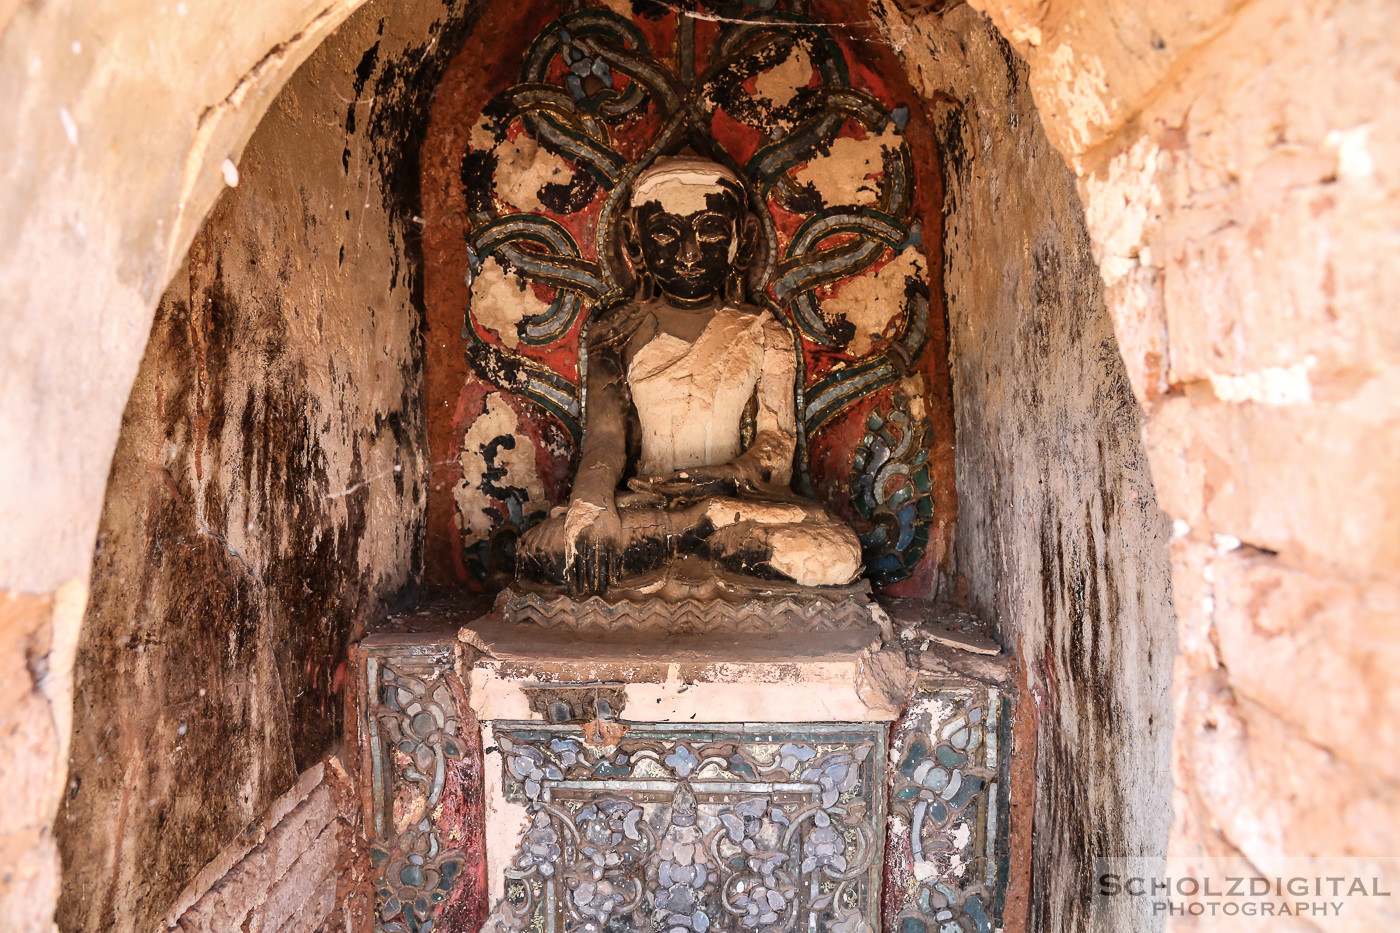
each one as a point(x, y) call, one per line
point(689, 231)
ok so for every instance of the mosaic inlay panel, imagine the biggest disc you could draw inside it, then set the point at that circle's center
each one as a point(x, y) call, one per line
point(690, 828)
point(948, 825)
point(422, 784)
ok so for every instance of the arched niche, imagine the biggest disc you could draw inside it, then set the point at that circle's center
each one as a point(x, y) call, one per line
point(277, 483)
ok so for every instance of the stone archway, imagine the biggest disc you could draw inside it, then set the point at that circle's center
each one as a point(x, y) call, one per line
point(1240, 187)
point(97, 217)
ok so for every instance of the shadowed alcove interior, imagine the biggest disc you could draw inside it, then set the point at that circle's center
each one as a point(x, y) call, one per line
point(306, 449)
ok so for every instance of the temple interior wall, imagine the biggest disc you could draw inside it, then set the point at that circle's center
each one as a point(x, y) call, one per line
point(1239, 181)
point(266, 496)
point(1242, 188)
point(1060, 541)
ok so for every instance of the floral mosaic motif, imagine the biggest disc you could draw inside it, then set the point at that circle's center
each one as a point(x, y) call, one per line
point(598, 102)
point(946, 787)
point(891, 488)
point(685, 829)
point(414, 734)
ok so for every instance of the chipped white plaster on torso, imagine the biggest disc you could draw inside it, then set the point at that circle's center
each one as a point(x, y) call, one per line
point(690, 397)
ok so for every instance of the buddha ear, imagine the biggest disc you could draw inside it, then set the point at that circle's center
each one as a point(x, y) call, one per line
point(749, 232)
point(632, 246)
point(631, 240)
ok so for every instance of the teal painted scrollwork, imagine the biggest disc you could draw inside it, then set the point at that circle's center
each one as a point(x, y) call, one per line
point(892, 489)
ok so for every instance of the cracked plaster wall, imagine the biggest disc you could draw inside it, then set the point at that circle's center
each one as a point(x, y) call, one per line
point(117, 122)
point(1240, 168)
point(267, 493)
point(1059, 536)
point(1240, 174)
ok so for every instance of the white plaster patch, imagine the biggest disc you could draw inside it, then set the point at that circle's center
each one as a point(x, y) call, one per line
point(824, 685)
point(840, 176)
point(1023, 33)
point(501, 299)
point(1083, 86)
point(70, 126)
point(523, 167)
point(505, 819)
point(873, 300)
point(1354, 162)
point(781, 83)
point(1225, 543)
point(1121, 206)
point(913, 388)
point(481, 138)
point(814, 556)
point(1273, 385)
point(518, 462)
point(681, 186)
point(723, 513)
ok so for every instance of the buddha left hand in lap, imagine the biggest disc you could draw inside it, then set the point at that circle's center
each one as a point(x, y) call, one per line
point(678, 379)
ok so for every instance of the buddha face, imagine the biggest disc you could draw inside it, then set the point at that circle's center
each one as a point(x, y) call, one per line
point(689, 255)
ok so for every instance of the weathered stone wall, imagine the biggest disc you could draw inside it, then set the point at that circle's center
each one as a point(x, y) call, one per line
point(1059, 536)
point(117, 123)
point(1240, 168)
point(268, 489)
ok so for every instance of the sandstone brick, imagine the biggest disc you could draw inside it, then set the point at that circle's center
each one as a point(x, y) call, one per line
point(1139, 322)
point(313, 914)
point(1318, 653)
point(29, 863)
point(1276, 190)
point(1269, 791)
point(29, 883)
point(28, 753)
point(28, 745)
point(1194, 599)
point(1094, 61)
point(1259, 293)
point(251, 881)
point(1180, 460)
point(304, 882)
point(1305, 481)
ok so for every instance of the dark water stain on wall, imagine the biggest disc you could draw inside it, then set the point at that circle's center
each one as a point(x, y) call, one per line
point(1059, 537)
point(267, 495)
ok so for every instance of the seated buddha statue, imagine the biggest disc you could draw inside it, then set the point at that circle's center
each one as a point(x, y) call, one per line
point(683, 481)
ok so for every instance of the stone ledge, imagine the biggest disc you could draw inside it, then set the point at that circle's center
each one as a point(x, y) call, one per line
point(817, 677)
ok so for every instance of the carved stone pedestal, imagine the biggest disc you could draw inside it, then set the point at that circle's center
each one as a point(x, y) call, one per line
point(530, 777)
